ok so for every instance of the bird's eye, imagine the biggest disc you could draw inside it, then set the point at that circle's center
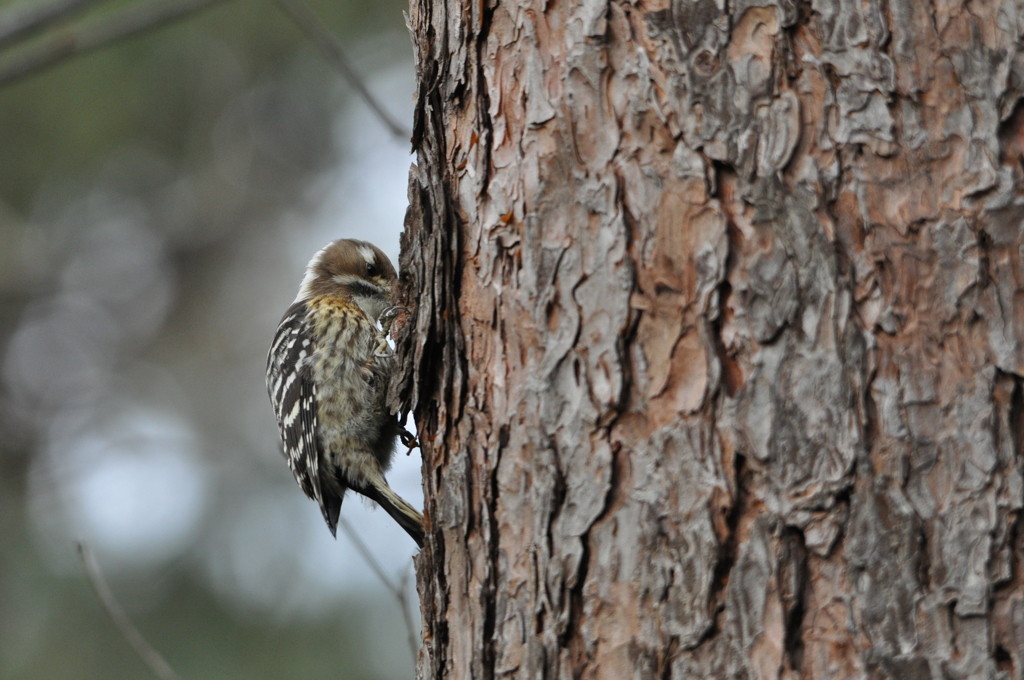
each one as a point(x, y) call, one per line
point(371, 269)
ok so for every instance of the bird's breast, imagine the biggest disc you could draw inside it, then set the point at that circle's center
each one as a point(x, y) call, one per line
point(351, 382)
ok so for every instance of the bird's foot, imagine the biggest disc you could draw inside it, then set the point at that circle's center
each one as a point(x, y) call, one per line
point(408, 440)
point(386, 318)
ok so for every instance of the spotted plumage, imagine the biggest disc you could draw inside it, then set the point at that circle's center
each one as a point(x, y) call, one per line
point(293, 395)
point(328, 379)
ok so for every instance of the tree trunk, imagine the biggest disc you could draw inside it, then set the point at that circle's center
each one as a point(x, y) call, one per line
point(717, 346)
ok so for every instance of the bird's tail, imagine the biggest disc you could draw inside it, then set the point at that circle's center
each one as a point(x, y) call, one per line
point(408, 517)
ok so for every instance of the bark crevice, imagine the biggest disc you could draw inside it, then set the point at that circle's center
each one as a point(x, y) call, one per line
point(728, 548)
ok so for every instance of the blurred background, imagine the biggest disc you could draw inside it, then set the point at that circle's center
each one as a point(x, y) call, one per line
point(159, 200)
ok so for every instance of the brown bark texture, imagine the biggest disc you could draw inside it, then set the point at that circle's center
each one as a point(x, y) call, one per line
point(716, 350)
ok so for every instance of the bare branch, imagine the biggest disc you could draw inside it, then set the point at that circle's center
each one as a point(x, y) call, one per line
point(26, 18)
point(322, 37)
point(71, 42)
point(146, 652)
point(397, 590)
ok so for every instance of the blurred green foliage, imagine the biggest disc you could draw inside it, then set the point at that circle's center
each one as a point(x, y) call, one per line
point(165, 92)
point(198, 637)
point(161, 90)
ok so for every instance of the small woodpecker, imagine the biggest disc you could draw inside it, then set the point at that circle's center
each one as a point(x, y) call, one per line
point(327, 374)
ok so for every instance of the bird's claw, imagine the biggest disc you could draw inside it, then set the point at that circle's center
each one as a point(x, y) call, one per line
point(408, 440)
point(382, 348)
point(388, 316)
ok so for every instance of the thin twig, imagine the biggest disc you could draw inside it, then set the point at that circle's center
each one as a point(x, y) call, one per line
point(26, 18)
point(397, 590)
point(321, 36)
point(149, 656)
point(71, 42)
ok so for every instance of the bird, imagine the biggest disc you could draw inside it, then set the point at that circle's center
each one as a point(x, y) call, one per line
point(328, 371)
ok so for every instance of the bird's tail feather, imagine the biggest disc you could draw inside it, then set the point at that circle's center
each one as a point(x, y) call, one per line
point(408, 517)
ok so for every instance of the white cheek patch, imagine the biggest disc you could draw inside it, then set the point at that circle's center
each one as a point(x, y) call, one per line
point(346, 279)
point(310, 276)
point(368, 254)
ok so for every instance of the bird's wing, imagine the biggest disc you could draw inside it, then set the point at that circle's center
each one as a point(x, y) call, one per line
point(293, 395)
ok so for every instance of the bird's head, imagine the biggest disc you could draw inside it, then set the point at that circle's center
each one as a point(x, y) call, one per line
point(351, 270)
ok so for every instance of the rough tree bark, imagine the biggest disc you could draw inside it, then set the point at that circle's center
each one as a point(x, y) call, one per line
point(717, 348)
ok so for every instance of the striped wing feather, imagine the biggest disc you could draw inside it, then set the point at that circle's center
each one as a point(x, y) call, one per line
point(293, 395)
